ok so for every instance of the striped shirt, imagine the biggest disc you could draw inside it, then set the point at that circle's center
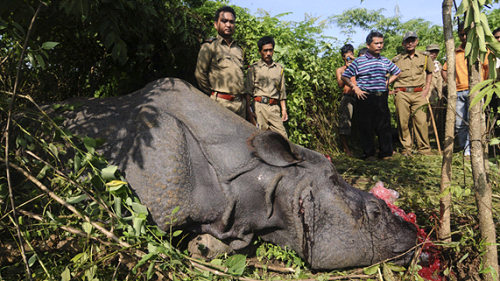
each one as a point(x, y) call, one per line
point(371, 72)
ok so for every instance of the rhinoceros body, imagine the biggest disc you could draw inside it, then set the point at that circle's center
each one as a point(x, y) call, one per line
point(176, 147)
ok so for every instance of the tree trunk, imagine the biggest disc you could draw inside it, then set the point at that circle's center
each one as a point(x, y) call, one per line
point(482, 188)
point(445, 202)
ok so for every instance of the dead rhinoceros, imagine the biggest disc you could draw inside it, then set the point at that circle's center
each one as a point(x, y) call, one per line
point(176, 147)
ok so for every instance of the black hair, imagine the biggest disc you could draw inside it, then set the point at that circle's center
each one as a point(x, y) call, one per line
point(369, 38)
point(460, 26)
point(224, 9)
point(362, 51)
point(496, 30)
point(264, 41)
point(346, 49)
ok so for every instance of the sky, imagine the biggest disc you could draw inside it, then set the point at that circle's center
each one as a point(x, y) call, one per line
point(429, 10)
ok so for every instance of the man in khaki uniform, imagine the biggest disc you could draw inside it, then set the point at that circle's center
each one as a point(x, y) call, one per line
point(219, 69)
point(266, 83)
point(412, 88)
point(436, 92)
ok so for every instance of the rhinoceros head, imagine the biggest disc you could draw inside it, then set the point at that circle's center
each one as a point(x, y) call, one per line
point(328, 222)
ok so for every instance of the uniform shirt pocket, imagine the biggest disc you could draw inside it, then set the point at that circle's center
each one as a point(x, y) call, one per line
point(223, 60)
point(405, 72)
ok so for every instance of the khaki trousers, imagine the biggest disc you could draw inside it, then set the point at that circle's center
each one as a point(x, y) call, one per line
point(236, 106)
point(269, 118)
point(411, 105)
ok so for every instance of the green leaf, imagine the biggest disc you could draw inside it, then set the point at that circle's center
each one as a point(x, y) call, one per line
point(150, 270)
point(464, 6)
point(49, 45)
point(118, 206)
point(42, 173)
point(77, 162)
point(51, 217)
point(395, 268)
point(32, 260)
point(486, 91)
point(495, 141)
point(90, 144)
point(152, 248)
point(175, 210)
point(108, 173)
point(236, 264)
point(371, 270)
point(144, 259)
point(480, 85)
point(66, 275)
point(31, 58)
point(53, 149)
point(79, 256)
point(217, 262)
point(480, 36)
point(87, 227)
point(138, 223)
point(19, 27)
point(388, 274)
point(77, 199)
point(40, 60)
point(110, 39)
point(477, 12)
point(138, 208)
point(177, 233)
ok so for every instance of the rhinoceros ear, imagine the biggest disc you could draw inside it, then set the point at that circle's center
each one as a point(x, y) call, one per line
point(274, 149)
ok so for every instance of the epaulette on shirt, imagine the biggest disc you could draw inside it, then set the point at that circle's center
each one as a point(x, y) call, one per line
point(209, 40)
point(396, 58)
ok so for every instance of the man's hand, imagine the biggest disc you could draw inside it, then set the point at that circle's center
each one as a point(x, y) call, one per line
point(425, 92)
point(251, 116)
point(284, 115)
point(359, 93)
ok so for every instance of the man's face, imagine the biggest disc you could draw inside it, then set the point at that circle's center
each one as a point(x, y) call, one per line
point(433, 54)
point(462, 36)
point(497, 36)
point(375, 47)
point(410, 43)
point(267, 53)
point(348, 58)
point(225, 25)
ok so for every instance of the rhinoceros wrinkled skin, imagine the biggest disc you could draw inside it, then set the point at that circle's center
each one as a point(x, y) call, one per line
point(176, 147)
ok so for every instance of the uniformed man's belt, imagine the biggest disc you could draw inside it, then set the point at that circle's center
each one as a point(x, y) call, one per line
point(226, 96)
point(266, 100)
point(409, 89)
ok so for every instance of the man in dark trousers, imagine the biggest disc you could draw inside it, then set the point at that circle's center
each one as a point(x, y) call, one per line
point(371, 90)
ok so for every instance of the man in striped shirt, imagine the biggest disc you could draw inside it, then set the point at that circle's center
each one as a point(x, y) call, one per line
point(371, 73)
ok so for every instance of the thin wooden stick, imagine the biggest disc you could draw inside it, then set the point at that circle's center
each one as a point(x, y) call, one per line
point(434, 126)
